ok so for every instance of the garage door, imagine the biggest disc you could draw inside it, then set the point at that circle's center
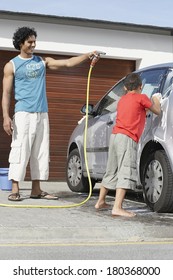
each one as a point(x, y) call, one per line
point(66, 91)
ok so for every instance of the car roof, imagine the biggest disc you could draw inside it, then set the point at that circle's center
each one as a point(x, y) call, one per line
point(163, 65)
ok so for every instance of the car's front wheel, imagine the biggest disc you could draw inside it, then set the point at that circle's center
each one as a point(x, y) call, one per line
point(75, 179)
point(158, 182)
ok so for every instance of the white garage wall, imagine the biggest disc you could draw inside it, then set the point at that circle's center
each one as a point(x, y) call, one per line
point(144, 48)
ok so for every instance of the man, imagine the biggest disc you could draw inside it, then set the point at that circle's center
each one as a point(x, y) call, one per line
point(30, 126)
point(121, 166)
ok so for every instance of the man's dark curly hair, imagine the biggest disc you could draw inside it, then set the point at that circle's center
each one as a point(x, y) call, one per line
point(21, 35)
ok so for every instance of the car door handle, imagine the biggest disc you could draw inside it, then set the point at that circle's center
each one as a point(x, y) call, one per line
point(109, 122)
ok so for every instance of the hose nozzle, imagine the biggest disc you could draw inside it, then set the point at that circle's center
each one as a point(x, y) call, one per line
point(96, 57)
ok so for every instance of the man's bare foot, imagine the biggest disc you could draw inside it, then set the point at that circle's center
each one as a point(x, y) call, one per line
point(122, 212)
point(101, 205)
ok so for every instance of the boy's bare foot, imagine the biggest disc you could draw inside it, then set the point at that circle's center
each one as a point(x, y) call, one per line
point(101, 205)
point(122, 212)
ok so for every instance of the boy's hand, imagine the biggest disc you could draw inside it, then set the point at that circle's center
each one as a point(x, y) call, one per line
point(158, 95)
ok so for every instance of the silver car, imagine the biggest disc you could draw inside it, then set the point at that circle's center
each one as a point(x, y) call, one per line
point(155, 149)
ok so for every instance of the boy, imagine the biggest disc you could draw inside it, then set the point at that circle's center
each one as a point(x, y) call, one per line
point(121, 166)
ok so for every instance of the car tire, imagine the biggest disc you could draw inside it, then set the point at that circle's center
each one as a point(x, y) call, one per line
point(158, 182)
point(75, 179)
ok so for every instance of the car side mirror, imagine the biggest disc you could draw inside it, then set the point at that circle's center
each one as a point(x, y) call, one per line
point(90, 109)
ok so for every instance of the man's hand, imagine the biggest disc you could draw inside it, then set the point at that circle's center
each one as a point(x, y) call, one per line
point(95, 56)
point(7, 125)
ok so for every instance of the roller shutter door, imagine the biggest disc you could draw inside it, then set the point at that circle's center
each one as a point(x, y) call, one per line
point(66, 92)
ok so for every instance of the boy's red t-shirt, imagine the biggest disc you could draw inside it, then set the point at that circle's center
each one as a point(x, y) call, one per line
point(131, 115)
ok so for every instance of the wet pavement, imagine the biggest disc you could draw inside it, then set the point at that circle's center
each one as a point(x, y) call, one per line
point(44, 221)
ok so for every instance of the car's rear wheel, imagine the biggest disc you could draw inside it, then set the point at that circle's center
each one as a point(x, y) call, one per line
point(158, 182)
point(75, 179)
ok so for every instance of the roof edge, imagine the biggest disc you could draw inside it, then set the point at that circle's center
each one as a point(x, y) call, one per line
point(84, 22)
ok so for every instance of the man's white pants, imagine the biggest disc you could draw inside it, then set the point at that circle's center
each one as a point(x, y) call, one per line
point(30, 140)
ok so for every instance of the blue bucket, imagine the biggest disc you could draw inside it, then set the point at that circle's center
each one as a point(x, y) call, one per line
point(5, 184)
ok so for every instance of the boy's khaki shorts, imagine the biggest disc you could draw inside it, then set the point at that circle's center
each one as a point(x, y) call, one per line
point(121, 169)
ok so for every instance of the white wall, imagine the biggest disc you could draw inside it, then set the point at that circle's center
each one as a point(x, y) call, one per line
point(145, 49)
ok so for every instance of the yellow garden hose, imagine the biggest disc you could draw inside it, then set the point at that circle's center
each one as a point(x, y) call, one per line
point(86, 163)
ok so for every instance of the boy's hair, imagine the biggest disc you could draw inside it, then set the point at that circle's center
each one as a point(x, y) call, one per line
point(132, 82)
point(21, 35)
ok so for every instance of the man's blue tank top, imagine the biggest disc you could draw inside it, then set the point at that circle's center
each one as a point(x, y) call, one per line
point(30, 84)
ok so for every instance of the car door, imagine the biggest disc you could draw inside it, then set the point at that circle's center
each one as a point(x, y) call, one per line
point(99, 130)
point(152, 81)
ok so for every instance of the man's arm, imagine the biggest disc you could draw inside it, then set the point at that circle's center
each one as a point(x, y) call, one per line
point(55, 64)
point(6, 96)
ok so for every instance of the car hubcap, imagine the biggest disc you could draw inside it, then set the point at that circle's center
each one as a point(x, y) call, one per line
point(153, 181)
point(74, 170)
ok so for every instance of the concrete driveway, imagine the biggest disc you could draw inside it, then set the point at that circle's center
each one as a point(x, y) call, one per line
point(79, 223)
point(47, 230)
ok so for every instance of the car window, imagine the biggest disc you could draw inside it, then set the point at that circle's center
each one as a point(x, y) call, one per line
point(109, 102)
point(151, 81)
point(168, 86)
